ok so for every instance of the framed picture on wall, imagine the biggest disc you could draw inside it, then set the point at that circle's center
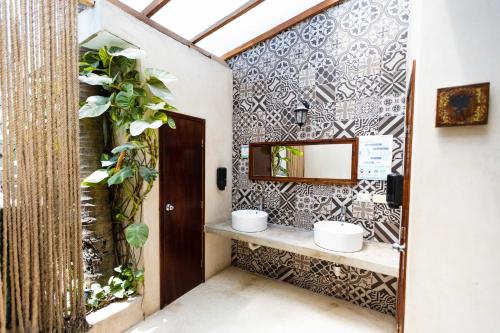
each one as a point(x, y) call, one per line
point(463, 105)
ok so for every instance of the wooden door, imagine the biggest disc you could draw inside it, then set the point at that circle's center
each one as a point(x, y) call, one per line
point(403, 237)
point(181, 206)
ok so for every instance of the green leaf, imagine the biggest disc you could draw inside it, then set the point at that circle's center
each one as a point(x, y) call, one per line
point(139, 275)
point(139, 126)
point(125, 65)
point(155, 106)
point(119, 294)
point(157, 80)
point(171, 123)
point(125, 98)
point(94, 107)
point(104, 56)
point(96, 288)
point(91, 58)
point(120, 217)
point(130, 53)
point(161, 116)
point(158, 89)
point(139, 92)
point(128, 146)
point(295, 151)
point(137, 234)
point(95, 80)
point(148, 174)
point(107, 163)
point(96, 177)
point(159, 74)
point(120, 176)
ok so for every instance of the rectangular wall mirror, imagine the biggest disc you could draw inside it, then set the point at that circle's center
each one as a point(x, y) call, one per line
point(313, 161)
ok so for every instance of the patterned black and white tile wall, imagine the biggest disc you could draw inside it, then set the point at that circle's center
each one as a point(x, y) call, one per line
point(349, 62)
point(368, 289)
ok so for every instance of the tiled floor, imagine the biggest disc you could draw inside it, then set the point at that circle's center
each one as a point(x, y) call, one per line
point(236, 301)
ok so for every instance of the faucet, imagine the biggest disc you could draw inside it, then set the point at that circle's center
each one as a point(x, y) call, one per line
point(260, 202)
point(343, 213)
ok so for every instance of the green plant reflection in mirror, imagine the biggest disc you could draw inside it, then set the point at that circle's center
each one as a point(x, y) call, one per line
point(280, 159)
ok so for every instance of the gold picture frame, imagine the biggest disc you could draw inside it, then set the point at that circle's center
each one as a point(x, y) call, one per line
point(463, 105)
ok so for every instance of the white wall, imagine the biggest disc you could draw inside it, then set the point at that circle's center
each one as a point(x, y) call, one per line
point(204, 90)
point(453, 280)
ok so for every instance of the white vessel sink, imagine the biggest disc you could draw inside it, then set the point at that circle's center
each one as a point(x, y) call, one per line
point(338, 236)
point(249, 220)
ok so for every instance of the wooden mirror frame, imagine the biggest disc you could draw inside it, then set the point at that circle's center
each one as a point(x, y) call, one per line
point(354, 161)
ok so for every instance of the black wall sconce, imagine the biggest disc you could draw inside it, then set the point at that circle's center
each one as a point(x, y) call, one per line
point(301, 113)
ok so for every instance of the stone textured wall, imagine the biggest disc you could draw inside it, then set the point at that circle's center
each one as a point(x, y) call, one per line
point(349, 62)
point(98, 249)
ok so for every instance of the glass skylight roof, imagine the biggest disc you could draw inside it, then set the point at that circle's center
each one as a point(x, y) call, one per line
point(189, 18)
point(260, 19)
point(138, 5)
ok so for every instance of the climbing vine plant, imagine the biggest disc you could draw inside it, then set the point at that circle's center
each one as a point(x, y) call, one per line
point(134, 105)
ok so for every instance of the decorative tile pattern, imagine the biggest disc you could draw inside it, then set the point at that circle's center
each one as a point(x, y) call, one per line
point(368, 226)
point(349, 63)
point(386, 232)
point(383, 213)
point(363, 210)
point(391, 126)
point(361, 287)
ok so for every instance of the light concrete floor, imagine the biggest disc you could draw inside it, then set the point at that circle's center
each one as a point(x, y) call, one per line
point(236, 301)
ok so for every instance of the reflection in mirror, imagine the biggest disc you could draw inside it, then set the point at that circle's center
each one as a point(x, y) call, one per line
point(324, 161)
point(331, 161)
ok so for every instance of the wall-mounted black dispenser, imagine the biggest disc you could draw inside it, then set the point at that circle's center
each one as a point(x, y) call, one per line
point(394, 196)
point(221, 178)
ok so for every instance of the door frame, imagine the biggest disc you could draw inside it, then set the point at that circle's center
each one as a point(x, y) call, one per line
point(403, 256)
point(162, 197)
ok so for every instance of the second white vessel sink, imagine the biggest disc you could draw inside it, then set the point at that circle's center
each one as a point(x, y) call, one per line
point(338, 236)
point(249, 220)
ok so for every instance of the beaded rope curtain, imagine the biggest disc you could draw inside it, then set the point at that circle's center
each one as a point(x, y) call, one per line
point(42, 273)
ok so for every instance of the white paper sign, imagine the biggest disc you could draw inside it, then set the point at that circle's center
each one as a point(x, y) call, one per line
point(244, 151)
point(375, 157)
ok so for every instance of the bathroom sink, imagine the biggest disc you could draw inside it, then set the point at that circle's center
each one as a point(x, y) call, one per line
point(249, 220)
point(338, 236)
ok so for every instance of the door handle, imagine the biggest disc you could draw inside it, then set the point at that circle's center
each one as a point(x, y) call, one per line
point(169, 207)
point(399, 247)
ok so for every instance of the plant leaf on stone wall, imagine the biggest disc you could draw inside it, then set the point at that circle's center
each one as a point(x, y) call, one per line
point(120, 176)
point(128, 146)
point(94, 106)
point(96, 177)
point(95, 80)
point(139, 126)
point(137, 234)
point(148, 174)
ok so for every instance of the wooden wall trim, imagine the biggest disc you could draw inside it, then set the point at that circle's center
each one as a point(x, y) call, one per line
point(88, 3)
point(154, 7)
point(226, 20)
point(165, 31)
point(405, 214)
point(354, 161)
point(283, 26)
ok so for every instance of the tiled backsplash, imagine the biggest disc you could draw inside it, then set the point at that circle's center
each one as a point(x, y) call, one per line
point(349, 62)
point(368, 289)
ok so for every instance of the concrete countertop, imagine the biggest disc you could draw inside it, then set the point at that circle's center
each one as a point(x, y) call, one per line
point(375, 256)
